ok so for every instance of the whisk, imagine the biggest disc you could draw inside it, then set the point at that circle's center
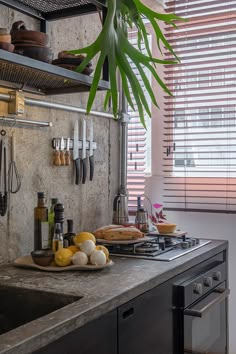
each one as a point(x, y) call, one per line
point(14, 181)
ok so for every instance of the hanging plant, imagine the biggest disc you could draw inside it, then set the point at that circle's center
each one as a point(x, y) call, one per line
point(112, 43)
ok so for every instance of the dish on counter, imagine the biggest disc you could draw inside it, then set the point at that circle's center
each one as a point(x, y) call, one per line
point(27, 262)
point(42, 257)
point(166, 228)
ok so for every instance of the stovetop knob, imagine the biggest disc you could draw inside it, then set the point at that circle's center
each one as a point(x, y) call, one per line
point(185, 244)
point(207, 281)
point(197, 288)
point(217, 275)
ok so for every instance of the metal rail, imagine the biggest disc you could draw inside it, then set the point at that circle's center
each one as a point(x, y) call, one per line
point(25, 121)
point(56, 105)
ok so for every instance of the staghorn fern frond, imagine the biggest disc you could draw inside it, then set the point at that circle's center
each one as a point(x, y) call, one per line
point(112, 44)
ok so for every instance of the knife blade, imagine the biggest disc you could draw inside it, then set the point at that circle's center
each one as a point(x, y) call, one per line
point(84, 157)
point(91, 155)
point(4, 196)
point(67, 153)
point(1, 171)
point(62, 152)
point(76, 152)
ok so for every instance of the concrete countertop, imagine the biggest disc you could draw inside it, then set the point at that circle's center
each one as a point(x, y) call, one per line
point(101, 292)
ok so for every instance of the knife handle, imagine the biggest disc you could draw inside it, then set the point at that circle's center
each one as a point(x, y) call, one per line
point(67, 158)
point(1, 203)
point(91, 167)
point(57, 160)
point(62, 158)
point(4, 205)
point(84, 169)
point(77, 171)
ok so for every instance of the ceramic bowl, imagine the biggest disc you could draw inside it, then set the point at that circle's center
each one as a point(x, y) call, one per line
point(7, 46)
point(42, 257)
point(166, 228)
point(25, 35)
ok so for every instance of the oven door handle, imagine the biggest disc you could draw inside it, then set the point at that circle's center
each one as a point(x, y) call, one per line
point(222, 294)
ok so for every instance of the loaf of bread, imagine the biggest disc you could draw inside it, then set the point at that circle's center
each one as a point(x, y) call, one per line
point(99, 233)
point(122, 233)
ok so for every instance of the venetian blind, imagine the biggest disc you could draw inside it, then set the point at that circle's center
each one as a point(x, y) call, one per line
point(200, 119)
point(139, 142)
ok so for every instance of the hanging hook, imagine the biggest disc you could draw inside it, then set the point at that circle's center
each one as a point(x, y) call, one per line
point(3, 131)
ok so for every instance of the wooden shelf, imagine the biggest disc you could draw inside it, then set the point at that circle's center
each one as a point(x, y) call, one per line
point(42, 77)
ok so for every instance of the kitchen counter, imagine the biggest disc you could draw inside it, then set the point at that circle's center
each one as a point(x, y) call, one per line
point(101, 292)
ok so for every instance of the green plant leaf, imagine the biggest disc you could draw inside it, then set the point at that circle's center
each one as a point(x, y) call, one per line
point(107, 99)
point(112, 43)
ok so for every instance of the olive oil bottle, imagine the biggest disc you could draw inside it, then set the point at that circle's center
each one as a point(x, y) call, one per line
point(41, 227)
point(51, 218)
point(57, 242)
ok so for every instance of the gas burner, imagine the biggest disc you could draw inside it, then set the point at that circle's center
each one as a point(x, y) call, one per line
point(147, 247)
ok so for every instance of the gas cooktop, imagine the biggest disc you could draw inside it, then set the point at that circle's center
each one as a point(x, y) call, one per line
point(157, 247)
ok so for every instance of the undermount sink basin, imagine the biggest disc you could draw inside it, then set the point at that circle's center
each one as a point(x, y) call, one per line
point(19, 306)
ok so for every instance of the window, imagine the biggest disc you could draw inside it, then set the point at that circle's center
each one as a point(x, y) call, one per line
point(139, 144)
point(200, 119)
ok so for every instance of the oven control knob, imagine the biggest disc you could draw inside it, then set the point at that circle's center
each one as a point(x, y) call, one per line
point(217, 275)
point(197, 288)
point(185, 244)
point(207, 281)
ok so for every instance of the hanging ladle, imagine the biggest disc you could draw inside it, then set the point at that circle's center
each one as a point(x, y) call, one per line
point(14, 181)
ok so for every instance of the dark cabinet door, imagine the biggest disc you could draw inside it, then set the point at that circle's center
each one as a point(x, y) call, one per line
point(145, 323)
point(96, 337)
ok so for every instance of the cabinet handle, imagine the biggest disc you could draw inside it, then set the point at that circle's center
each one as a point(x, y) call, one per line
point(128, 313)
point(222, 294)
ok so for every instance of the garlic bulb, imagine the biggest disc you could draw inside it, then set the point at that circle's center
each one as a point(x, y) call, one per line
point(98, 258)
point(80, 258)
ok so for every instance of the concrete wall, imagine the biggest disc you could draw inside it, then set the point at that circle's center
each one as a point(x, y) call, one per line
point(89, 205)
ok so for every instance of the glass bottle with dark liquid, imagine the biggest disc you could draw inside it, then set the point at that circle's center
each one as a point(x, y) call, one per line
point(41, 229)
point(68, 237)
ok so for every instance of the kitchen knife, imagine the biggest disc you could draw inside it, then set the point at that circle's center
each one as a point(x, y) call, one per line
point(4, 197)
point(62, 152)
point(76, 152)
point(57, 160)
point(84, 157)
point(1, 172)
point(91, 156)
point(67, 153)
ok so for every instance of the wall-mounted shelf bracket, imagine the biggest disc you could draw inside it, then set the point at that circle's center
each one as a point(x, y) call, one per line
point(16, 104)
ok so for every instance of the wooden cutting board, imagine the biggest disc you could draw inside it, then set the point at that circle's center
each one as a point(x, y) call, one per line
point(27, 262)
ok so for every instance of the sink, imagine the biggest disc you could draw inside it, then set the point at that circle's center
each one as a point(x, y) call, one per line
point(19, 306)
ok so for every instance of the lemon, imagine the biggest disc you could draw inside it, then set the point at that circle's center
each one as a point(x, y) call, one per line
point(63, 257)
point(73, 248)
point(105, 250)
point(83, 236)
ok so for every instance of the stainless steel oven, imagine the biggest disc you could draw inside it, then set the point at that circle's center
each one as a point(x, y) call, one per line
point(201, 313)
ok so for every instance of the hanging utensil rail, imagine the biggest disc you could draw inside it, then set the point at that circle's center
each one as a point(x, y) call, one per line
point(25, 121)
point(56, 105)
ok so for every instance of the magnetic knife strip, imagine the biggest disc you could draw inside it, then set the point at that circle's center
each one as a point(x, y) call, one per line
point(72, 144)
